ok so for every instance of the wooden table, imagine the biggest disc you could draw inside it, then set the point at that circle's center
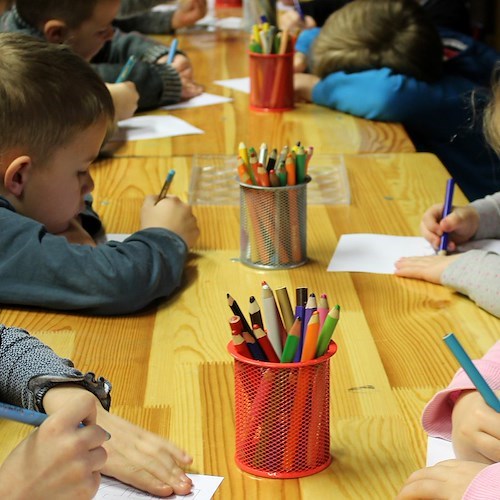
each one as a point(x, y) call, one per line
point(222, 55)
point(170, 368)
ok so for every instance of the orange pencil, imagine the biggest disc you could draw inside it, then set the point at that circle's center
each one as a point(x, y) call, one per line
point(265, 344)
point(243, 173)
point(291, 175)
point(262, 176)
point(311, 338)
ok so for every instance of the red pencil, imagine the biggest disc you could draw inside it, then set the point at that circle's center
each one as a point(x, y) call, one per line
point(240, 345)
point(265, 344)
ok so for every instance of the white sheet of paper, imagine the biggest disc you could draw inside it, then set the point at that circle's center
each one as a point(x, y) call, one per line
point(204, 488)
point(241, 84)
point(438, 450)
point(204, 99)
point(153, 127)
point(377, 253)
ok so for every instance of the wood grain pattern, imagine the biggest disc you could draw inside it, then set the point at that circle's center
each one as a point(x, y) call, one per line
point(221, 55)
point(169, 364)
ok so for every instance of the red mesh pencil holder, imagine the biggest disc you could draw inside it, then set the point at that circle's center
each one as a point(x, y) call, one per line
point(282, 416)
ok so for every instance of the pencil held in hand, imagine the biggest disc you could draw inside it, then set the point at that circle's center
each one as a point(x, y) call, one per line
point(448, 205)
point(166, 185)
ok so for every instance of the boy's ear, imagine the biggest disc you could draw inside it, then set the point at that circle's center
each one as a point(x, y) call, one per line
point(55, 31)
point(16, 175)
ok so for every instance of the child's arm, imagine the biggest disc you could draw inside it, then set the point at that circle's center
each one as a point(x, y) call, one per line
point(135, 456)
point(436, 418)
point(157, 84)
point(45, 270)
point(60, 459)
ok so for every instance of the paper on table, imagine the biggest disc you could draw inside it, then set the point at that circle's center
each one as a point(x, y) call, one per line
point(204, 99)
point(153, 127)
point(377, 253)
point(241, 84)
point(438, 450)
point(204, 488)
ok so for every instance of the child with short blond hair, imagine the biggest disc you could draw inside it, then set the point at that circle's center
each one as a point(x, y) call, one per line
point(48, 230)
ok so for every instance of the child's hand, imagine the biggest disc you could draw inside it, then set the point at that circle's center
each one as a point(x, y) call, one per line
point(173, 214)
point(188, 12)
point(461, 225)
point(125, 99)
point(59, 460)
point(429, 268)
point(475, 429)
point(190, 89)
point(299, 62)
point(290, 20)
point(446, 480)
point(303, 84)
point(143, 459)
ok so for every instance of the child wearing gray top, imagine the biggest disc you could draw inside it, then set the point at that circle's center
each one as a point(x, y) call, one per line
point(475, 273)
point(62, 459)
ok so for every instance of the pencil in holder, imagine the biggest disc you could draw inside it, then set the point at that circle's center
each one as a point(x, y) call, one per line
point(271, 82)
point(282, 415)
point(273, 226)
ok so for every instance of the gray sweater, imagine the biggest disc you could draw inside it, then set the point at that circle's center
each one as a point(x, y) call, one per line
point(27, 364)
point(43, 270)
point(476, 273)
point(157, 84)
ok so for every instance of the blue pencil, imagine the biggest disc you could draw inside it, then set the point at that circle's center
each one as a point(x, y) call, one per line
point(22, 415)
point(127, 68)
point(448, 205)
point(172, 51)
point(166, 185)
point(299, 10)
point(477, 379)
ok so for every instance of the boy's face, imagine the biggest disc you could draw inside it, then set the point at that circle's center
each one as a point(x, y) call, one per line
point(54, 192)
point(88, 39)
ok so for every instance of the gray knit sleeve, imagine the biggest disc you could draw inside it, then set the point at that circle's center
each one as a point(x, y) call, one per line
point(489, 216)
point(476, 273)
point(28, 368)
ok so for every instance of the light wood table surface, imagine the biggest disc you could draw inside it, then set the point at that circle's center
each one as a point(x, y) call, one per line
point(221, 55)
point(170, 368)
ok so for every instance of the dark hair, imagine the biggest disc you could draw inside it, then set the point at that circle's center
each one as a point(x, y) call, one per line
point(72, 12)
point(369, 34)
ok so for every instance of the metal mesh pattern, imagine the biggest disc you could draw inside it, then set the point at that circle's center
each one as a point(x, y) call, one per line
point(282, 417)
point(273, 225)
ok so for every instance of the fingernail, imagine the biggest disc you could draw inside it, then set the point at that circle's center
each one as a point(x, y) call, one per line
point(108, 435)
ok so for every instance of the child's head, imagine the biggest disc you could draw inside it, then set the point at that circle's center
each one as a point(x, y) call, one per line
point(55, 113)
point(492, 116)
point(369, 34)
point(84, 25)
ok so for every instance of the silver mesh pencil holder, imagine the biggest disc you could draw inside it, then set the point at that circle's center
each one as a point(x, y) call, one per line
point(273, 226)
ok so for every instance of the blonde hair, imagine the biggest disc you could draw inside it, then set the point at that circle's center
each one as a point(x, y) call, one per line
point(491, 119)
point(369, 34)
point(72, 12)
point(47, 95)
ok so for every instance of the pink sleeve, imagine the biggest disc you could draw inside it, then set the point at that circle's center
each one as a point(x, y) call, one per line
point(436, 418)
point(485, 485)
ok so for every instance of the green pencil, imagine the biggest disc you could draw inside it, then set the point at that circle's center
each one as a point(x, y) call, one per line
point(326, 333)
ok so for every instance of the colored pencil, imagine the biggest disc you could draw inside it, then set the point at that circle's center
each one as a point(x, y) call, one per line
point(327, 330)
point(285, 307)
point(473, 373)
point(265, 344)
point(255, 314)
point(166, 185)
point(292, 341)
point(272, 318)
point(172, 51)
point(447, 207)
point(127, 68)
point(311, 338)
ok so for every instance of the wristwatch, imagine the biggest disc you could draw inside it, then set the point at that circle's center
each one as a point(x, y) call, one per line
point(100, 387)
